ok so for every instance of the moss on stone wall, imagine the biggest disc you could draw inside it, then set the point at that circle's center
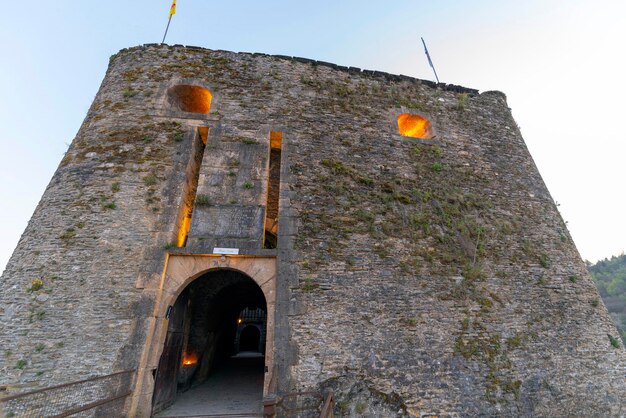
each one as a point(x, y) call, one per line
point(421, 276)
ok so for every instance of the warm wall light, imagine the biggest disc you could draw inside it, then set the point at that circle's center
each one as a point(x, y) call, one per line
point(415, 126)
point(276, 140)
point(189, 359)
point(181, 239)
point(194, 99)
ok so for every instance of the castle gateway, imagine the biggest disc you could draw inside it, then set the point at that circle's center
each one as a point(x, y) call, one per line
point(232, 223)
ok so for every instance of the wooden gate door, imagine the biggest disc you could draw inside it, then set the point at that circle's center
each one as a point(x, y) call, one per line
point(166, 378)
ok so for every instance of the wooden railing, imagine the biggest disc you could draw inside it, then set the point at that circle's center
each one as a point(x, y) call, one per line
point(104, 394)
point(329, 404)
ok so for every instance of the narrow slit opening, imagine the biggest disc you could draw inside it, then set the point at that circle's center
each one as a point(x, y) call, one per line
point(192, 173)
point(270, 239)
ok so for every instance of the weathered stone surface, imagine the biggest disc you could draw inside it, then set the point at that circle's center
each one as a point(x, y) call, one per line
point(228, 221)
point(413, 277)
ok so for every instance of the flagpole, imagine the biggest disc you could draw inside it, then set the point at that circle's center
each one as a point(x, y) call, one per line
point(166, 29)
point(429, 60)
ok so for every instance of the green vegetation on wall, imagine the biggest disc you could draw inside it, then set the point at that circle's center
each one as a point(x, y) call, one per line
point(610, 278)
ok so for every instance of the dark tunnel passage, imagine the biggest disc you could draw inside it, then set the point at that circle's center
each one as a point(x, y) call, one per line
point(250, 339)
point(218, 322)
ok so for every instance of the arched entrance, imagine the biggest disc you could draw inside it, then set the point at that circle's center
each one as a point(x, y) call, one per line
point(200, 365)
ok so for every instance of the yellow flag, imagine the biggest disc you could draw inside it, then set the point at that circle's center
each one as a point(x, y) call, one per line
point(173, 9)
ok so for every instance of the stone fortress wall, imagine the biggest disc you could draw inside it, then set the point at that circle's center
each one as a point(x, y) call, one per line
point(413, 276)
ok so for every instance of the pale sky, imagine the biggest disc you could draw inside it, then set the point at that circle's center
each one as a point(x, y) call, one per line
point(560, 63)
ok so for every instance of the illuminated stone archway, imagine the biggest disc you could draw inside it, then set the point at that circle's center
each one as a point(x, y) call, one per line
point(180, 271)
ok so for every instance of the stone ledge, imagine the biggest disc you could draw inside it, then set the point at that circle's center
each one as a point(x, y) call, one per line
point(352, 70)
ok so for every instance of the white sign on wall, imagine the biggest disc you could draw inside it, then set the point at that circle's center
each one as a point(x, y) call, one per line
point(218, 250)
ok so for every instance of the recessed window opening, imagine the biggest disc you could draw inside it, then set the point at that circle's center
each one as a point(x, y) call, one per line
point(415, 126)
point(188, 98)
point(273, 191)
point(191, 186)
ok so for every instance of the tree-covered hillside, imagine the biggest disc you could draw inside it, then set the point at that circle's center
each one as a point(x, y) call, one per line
point(610, 277)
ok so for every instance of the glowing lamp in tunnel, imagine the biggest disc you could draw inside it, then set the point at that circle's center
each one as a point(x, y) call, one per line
point(415, 126)
point(189, 359)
